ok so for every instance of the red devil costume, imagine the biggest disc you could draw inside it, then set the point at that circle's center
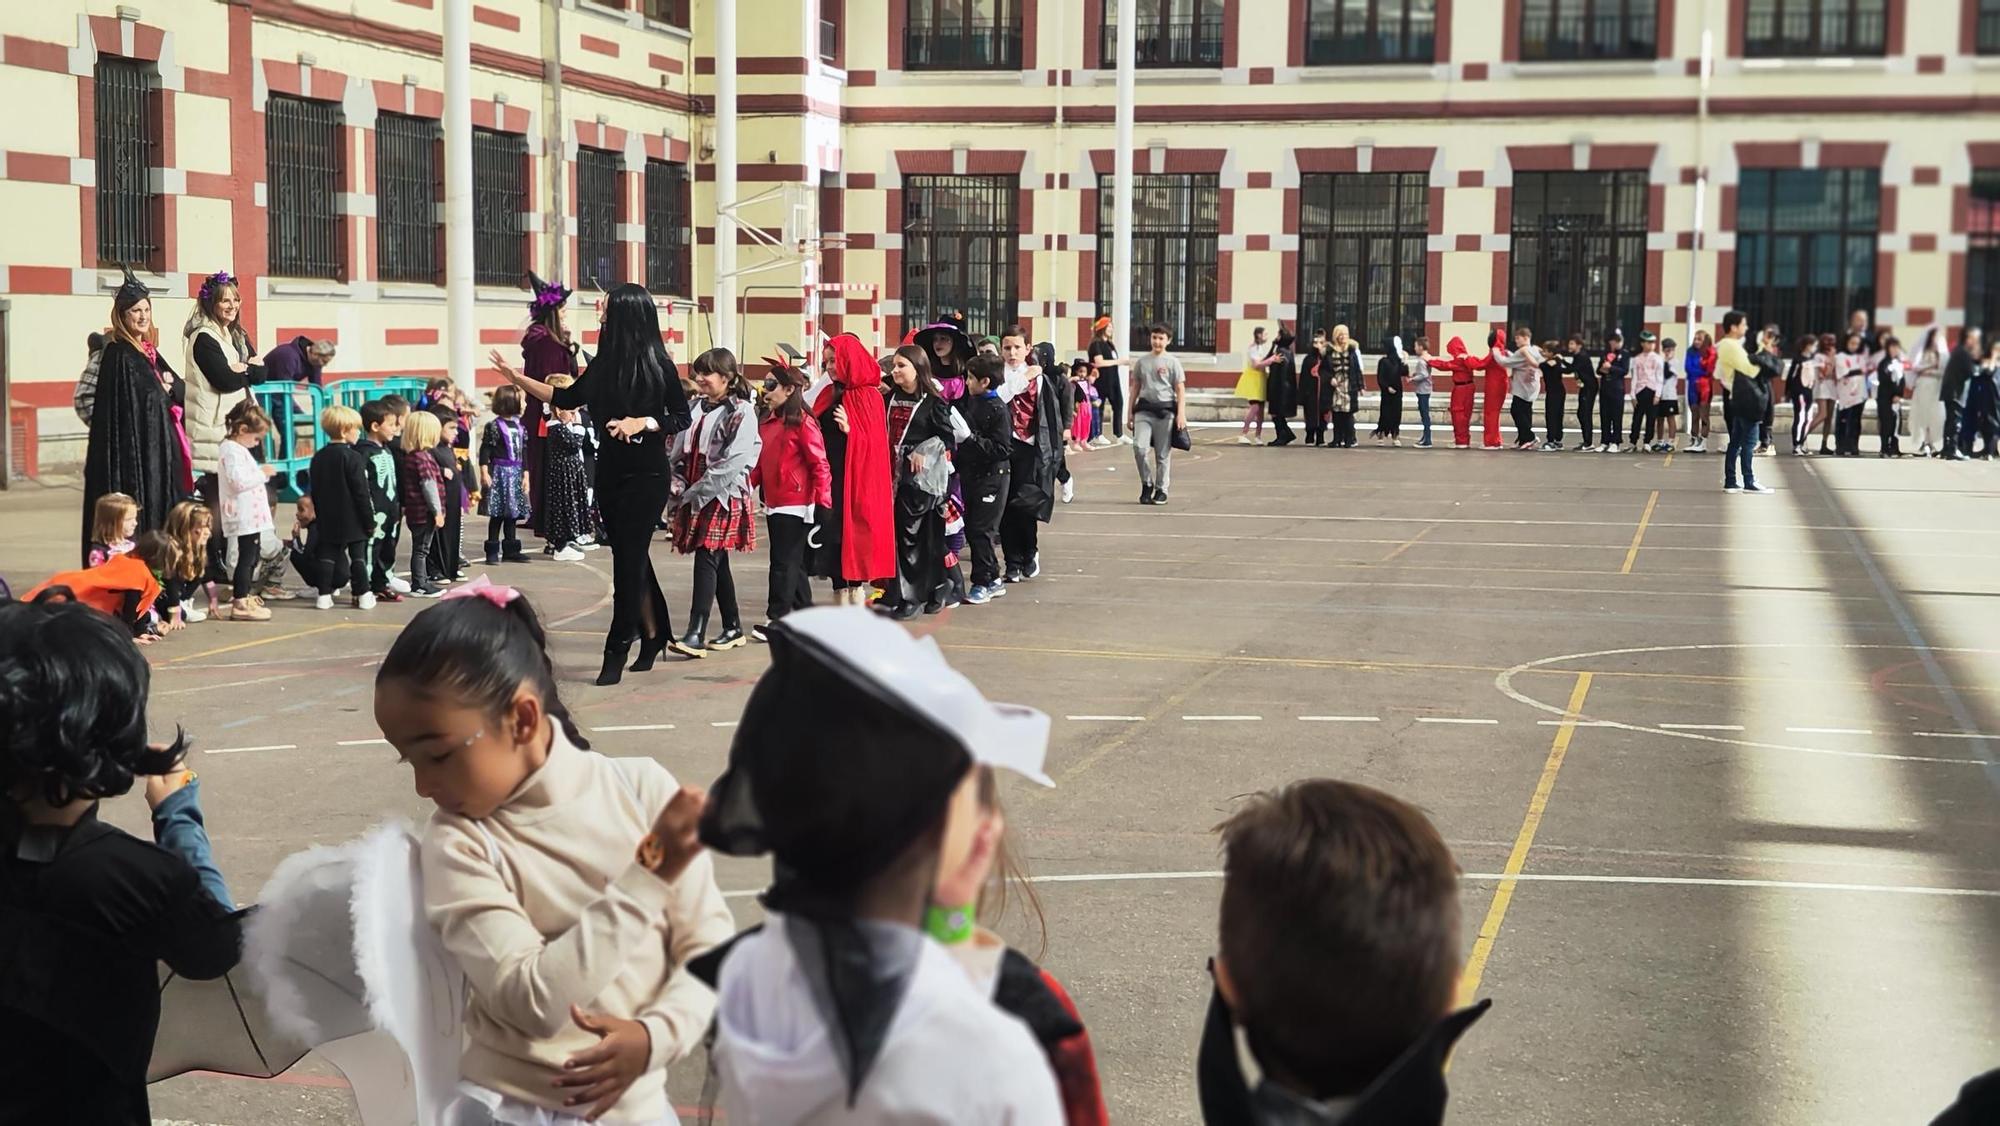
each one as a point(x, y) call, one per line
point(1497, 380)
point(1462, 368)
point(857, 538)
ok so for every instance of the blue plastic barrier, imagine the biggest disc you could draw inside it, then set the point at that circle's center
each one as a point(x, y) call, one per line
point(295, 436)
point(354, 392)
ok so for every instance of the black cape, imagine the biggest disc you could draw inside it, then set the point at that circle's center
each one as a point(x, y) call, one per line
point(1036, 488)
point(133, 448)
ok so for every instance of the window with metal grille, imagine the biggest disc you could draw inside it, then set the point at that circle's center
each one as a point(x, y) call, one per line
point(1342, 32)
point(1579, 253)
point(1987, 41)
point(1174, 225)
point(1362, 238)
point(1183, 33)
point(960, 240)
point(406, 198)
point(1982, 252)
point(1805, 246)
point(673, 12)
point(962, 35)
point(302, 148)
point(1814, 28)
point(126, 104)
point(499, 199)
point(1564, 30)
point(600, 257)
point(666, 227)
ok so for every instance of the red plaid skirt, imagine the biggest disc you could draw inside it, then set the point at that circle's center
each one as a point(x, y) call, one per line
point(720, 526)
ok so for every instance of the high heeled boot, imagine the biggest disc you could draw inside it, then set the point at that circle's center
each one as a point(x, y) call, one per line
point(650, 649)
point(615, 653)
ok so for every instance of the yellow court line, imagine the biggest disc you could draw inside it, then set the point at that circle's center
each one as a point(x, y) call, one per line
point(272, 640)
point(1645, 518)
point(1489, 930)
point(1408, 543)
point(1669, 461)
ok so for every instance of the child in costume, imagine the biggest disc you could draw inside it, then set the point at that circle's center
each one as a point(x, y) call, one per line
point(844, 1008)
point(381, 426)
point(123, 585)
point(793, 480)
point(1554, 367)
point(344, 514)
point(854, 539)
point(503, 479)
point(1648, 373)
point(567, 885)
point(245, 501)
point(565, 488)
point(112, 527)
point(189, 525)
point(921, 440)
point(713, 513)
point(1462, 368)
point(423, 498)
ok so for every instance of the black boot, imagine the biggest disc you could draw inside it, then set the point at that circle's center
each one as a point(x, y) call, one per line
point(692, 645)
point(732, 635)
point(615, 653)
point(514, 554)
point(492, 552)
point(650, 649)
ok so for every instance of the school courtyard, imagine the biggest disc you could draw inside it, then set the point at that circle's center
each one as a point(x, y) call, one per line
point(1722, 771)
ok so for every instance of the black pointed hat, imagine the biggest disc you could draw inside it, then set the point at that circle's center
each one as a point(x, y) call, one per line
point(131, 291)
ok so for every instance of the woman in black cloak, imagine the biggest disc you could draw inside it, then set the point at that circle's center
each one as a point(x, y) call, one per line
point(136, 443)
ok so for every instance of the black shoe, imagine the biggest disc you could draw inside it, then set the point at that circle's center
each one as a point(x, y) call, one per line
point(934, 607)
point(1145, 494)
point(513, 553)
point(492, 553)
point(730, 638)
point(650, 649)
point(613, 671)
point(904, 611)
point(691, 644)
point(1159, 498)
point(758, 634)
point(1016, 576)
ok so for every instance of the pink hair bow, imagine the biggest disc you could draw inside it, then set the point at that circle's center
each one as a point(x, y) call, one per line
point(483, 587)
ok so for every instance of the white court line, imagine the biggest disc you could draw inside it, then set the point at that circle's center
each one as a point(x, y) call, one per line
point(1106, 718)
point(1549, 878)
point(246, 750)
point(1220, 718)
point(1952, 735)
point(1577, 723)
point(1452, 719)
point(1701, 726)
point(1828, 731)
point(634, 727)
point(1340, 719)
point(362, 743)
point(724, 723)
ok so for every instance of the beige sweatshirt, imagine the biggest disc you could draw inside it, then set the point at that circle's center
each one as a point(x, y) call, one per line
point(567, 916)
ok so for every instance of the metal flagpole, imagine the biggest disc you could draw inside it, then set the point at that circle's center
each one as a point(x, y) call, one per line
point(724, 261)
point(1121, 196)
point(458, 261)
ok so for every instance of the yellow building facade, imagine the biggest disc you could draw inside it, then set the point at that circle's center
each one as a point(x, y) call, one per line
point(1410, 167)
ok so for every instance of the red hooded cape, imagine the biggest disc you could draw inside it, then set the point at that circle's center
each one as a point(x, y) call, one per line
point(868, 528)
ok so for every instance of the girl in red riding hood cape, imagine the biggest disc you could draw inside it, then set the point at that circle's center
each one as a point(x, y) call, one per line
point(1463, 369)
point(854, 542)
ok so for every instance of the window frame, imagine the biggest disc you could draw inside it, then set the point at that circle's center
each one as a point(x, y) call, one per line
point(408, 248)
point(132, 205)
point(312, 185)
point(597, 242)
point(1986, 28)
point(1176, 245)
point(921, 301)
point(925, 36)
point(1407, 233)
point(1416, 34)
point(1763, 299)
point(1627, 203)
point(1200, 48)
point(1779, 42)
point(493, 203)
point(1626, 16)
point(667, 214)
point(673, 13)
point(1982, 251)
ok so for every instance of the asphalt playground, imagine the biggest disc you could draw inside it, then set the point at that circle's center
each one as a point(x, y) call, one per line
point(1720, 769)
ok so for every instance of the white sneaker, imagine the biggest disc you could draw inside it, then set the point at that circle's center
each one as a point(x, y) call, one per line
point(569, 554)
point(1069, 490)
point(1765, 490)
point(365, 602)
point(1243, 439)
point(323, 602)
point(191, 614)
point(399, 584)
point(1125, 440)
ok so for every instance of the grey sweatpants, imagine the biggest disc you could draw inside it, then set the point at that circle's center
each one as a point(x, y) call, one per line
point(1154, 435)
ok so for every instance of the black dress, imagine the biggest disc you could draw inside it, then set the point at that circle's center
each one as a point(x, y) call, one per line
point(920, 538)
point(134, 446)
point(565, 493)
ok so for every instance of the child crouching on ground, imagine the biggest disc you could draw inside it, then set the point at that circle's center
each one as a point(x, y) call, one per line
point(569, 886)
point(1339, 960)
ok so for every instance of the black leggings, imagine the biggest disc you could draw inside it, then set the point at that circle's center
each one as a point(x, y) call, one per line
point(1112, 391)
point(248, 555)
point(356, 557)
point(1586, 412)
point(500, 528)
point(631, 507)
point(713, 583)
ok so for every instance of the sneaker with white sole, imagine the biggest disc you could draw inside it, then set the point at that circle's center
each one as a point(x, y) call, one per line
point(365, 602)
point(1125, 440)
point(568, 554)
point(979, 596)
point(1034, 566)
point(191, 614)
point(1732, 488)
point(323, 602)
point(1764, 490)
point(1069, 490)
point(399, 584)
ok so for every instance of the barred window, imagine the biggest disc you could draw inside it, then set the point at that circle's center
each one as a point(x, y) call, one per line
point(1588, 29)
point(960, 240)
point(499, 198)
point(1341, 32)
point(1183, 33)
point(406, 198)
point(1579, 253)
point(302, 146)
point(1362, 263)
point(600, 257)
point(1988, 39)
point(666, 227)
point(127, 149)
point(1815, 28)
point(962, 35)
point(1174, 225)
point(1805, 246)
point(1982, 251)
point(672, 12)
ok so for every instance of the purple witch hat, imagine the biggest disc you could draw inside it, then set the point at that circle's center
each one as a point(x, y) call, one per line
point(548, 295)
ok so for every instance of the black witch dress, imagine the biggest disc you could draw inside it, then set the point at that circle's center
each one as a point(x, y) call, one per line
point(135, 447)
point(565, 494)
point(920, 514)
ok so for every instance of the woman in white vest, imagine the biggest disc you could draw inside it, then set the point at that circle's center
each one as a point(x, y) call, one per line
point(218, 364)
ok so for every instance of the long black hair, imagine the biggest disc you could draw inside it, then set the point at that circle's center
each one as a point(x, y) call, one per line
point(630, 354)
point(479, 654)
point(73, 703)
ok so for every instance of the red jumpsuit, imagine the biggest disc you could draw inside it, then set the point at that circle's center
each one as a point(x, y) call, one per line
point(1497, 380)
point(1461, 367)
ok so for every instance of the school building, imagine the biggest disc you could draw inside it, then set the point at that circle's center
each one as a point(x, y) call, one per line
point(1400, 166)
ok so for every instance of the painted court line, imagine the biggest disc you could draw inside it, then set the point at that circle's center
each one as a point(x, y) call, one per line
point(1340, 719)
point(1454, 719)
point(247, 750)
point(1221, 718)
point(362, 743)
point(1106, 718)
point(1952, 735)
point(635, 727)
point(1828, 731)
point(723, 723)
point(1701, 726)
point(1578, 723)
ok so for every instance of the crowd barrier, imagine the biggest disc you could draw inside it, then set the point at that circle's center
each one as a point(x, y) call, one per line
point(295, 433)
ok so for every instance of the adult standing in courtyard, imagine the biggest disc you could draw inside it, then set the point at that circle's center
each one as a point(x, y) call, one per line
point(1749, 384)
point(1104, 360)
point(1957, 379)
point(633, 391)
point(546, 349)
point(136, 446)
point(1926, 397)
point(216, 361)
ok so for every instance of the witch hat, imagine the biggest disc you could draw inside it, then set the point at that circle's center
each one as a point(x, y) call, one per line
point(131, 291)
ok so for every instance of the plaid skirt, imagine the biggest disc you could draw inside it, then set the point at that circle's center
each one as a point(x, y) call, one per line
point(729, 525)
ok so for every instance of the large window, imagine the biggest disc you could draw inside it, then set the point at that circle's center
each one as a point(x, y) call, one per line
point(1362, 238)
point(1168, 33)
point(1982, 252)
point(499, 198)
point(666, 227)
point(1579, 253)
point(1814, 28)
point(962, 35)
point(1588, 29)
point(600, 258)
point(1174, 224)
point(406, 195)
point(673, 12)
point(302, 152)
point(1988, 41)
point(125, 102)
point(959, 247)
point(1370, 31)
point(1805, 246)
